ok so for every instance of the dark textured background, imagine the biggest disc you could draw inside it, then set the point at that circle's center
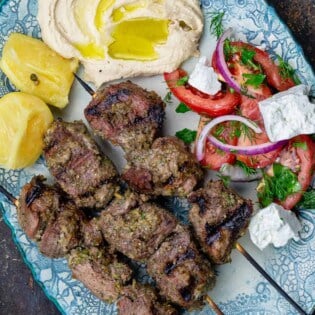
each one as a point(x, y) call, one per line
point(19, 294)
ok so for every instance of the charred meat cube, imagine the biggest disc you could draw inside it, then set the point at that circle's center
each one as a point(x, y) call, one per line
point(62, 234)
point(77, 164)
point(135, 229)
point(102, 273)
point(167, 169)
point(127, 115)
point(219, 217)
point(182, 275)
point(38, 205)
point(49, 218)
point(91, 233)
point(138, 299)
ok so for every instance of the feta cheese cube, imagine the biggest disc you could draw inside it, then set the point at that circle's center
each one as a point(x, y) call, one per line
point(288, 114)
point(274, 225)
point(204, 79)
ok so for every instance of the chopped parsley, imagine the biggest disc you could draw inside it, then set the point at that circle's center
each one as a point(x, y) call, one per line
point(279, 186)
point(247, 58)
point(229, 49)
point(241, 130)
point(168, 97)
point(308, 200)
point(253, 79)
point(286, 70)
point(216, 25)
point(182, 81)
point(182, 108)
point(302, 145)
point(187, 135)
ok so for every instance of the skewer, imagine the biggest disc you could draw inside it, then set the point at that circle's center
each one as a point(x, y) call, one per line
point(238, 246)
point(15, 202)
point(254, 263)
point(85, 85)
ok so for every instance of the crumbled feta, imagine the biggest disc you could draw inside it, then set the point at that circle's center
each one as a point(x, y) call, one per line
point(273, 225)
point(288, 114)
point(204, 79)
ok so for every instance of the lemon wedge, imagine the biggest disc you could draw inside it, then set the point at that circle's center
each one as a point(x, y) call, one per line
point(24, 119)
point(36, 69)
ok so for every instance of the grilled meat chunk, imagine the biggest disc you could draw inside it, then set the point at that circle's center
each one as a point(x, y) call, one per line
point(74, 159)
point(140, 299)
point(137, 229)
point(219, 217)
point(91, 233)
point(102, 273)
point(49, 218)
point(167, 169)
point(39, 204)
point(127, 115)
point(181, 273)
point(62, 234)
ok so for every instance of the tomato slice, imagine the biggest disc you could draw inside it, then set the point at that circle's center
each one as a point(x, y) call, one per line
point(214, 157)
point(269, 67)
point(299, 155)
point(222, 103)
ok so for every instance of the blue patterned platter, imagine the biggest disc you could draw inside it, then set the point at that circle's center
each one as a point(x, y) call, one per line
point(240, 289)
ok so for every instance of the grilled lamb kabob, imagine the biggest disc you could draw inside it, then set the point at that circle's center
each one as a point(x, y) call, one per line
point(60, 229)
point(74, 159)
point(144, 231)
point(127, 115)
point(166, 167)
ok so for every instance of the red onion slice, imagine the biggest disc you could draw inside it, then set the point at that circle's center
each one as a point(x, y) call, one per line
point(206, 130)
point(247, 150)
point(221, 63)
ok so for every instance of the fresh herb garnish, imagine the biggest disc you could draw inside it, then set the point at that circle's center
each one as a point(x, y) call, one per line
point(168, 97)
point(182, 81)
point(225, 179)
point(302, 145)
point(218, 130)
point(187, 135)
point(279, 186)
point(254, 79)
point(182, 108)
point(307, 201)
point(216, 26)
point(247, 58)
point(241, 130)
point(229, 49)
point(247, 170)
point(286, 70)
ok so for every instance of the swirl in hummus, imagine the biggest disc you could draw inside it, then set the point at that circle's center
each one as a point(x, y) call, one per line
point(123, 38)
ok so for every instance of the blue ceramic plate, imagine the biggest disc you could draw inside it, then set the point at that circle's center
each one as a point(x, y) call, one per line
point(240, 289)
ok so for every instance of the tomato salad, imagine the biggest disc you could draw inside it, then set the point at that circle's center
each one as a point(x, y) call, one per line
point(232, 129)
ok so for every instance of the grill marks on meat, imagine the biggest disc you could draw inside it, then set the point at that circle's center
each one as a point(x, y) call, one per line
point(167, 169)
point(140, 299)
point(127, 115)
point(219, 217)
point(102, 273)
point(48, 218)
point(74, 159)
point(136, 229)
point(181, 273)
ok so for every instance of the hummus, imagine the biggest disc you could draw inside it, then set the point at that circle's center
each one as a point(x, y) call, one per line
point(123, 38)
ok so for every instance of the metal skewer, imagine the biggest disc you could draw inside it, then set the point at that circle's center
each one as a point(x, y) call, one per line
point(254, 263)
point(238, 247)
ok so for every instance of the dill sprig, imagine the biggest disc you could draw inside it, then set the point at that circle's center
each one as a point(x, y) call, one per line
point(286, 70)
point(216, 27)
point(247, 170)
point(241, 130)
